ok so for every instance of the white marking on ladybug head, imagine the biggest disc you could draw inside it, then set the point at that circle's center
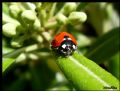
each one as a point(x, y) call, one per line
point(63, 46)
point(74, 47)
point(67, 38)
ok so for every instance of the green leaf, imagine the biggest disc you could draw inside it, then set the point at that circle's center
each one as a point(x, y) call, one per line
point(81, 6)
point(59, 6)
point(84, 74)
point(105, 46)
point(6, 63)
point(5, 8)
point(113, 65)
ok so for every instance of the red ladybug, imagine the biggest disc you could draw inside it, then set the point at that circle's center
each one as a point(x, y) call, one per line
point(64, 43)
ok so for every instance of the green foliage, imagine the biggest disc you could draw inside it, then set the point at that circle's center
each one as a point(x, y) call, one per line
point(29, 27)
point(80, 71)
point(114, 64)
point(81, 6)
point(6, 63)
point(108, 42)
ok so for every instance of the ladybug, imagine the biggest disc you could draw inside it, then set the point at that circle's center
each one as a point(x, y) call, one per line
point(64, 44)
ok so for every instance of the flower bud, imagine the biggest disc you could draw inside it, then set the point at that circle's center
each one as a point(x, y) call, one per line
point(15, 44)
point(21, 57)
point(37, 24)
point(8, 19)
point(18, 41)
point(51, 24)
point(46, 36)
point(77, 17)
point(28, 16)
point(38, 5)
point(32, 48)
point(14, 10)
point(62, 19)
point(9, 29)
point(38, 38)
point(33, 56)
point(29, 6)
point(69, 7)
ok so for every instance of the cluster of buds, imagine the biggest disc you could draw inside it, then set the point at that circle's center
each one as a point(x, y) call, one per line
point(68, 14)
point(27, 21)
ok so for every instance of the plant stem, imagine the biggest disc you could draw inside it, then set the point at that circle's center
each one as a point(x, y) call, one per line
point(24, 49)
point(52, 11)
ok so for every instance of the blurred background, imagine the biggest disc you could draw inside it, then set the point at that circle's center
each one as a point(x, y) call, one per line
point(29, 64)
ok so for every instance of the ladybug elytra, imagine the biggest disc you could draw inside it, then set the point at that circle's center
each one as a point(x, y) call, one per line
point(64, 43)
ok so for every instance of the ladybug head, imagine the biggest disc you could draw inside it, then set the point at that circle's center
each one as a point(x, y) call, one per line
point(67, 47)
